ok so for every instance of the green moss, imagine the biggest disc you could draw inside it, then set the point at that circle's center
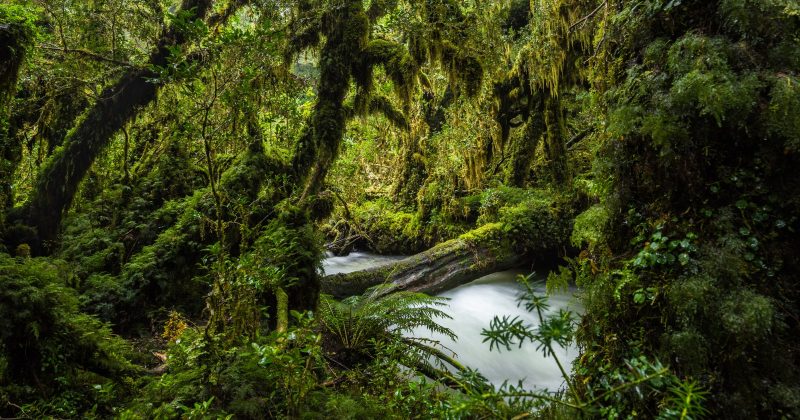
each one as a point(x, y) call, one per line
point(394, 231)
point(396, 62)
point(17, 31)
point(783, 117)
point(590, 226)
point(748, 316)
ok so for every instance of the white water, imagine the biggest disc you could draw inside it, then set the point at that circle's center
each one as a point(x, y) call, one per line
point(472, 307)
point(356, 261)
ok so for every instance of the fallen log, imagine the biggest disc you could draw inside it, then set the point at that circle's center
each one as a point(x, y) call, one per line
point(475, 254)
point(538, 226)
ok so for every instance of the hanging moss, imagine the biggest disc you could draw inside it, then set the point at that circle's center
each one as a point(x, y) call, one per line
point(346, 29)
point(398, 64)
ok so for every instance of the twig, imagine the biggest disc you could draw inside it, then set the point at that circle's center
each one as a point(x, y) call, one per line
point(589, 16)
point(21, 410)
point(543, 397)
point(86, 53)
point(626, 385)
point(578, 137)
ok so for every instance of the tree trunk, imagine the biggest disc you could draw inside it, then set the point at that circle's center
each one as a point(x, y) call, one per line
point(118, 104)
point(522, 150)
point(413, 172)
point(14, 40)
point(317, 148)
point(473, 255)
point(554, 141)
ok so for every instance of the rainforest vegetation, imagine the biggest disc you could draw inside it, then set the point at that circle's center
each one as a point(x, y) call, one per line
point(173, 173)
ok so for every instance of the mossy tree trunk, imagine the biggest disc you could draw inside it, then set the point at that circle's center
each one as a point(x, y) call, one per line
point(554, 140)
point(160, 273)
point(14, 40)
point(413, 169)
point(538, 234)
point(346, 38)
point(522, 150)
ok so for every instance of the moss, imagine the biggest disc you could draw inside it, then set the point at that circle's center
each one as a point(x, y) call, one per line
point(522, 150)
point(747, 315)
point(346, 30)
point(59, 179)
point(396, 62)
point(17, 30)
point(590, 226)
point(393, 231)
point(783, 117)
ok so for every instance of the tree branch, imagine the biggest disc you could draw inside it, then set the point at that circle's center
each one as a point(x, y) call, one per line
point(587, 17)
point(86, 53)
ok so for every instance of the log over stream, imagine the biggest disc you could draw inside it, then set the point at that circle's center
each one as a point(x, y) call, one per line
point(450, 264)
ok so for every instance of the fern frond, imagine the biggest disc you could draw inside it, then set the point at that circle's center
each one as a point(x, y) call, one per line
point(358, 322)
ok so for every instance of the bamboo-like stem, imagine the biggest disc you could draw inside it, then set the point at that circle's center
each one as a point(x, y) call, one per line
point(283, 310)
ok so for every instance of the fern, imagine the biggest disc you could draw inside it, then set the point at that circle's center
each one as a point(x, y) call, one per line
point(357, 323)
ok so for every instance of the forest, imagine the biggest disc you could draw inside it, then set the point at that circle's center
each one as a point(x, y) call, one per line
point(181, 180)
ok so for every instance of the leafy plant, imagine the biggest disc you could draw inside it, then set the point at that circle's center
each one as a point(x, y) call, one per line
point(47, 345)
point(358, 323)
point(606, 400)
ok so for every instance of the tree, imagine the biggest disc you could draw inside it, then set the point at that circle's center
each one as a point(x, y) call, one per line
point(60, 177)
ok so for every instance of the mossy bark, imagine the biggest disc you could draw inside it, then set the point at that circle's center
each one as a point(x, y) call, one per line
point(413, 169)
point(535, 229)
point(161, 273)
point(413, 172)
point(346, 29)
point(554, 141)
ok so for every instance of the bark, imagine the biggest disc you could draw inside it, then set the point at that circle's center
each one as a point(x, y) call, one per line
point(473, 255)
point(118, 104)
point(537, 227)
point(159, 273)
point(413, 171)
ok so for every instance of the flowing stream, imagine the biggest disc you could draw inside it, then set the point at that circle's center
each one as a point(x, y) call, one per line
point(472, 307)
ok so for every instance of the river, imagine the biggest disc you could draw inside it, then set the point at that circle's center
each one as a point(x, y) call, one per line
point(472, 307)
